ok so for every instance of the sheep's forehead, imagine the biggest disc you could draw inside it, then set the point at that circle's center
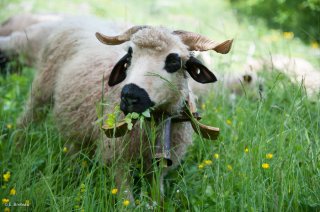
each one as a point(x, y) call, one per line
point(158, 39)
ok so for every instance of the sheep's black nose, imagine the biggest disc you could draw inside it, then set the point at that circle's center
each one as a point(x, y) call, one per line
point(134, 99)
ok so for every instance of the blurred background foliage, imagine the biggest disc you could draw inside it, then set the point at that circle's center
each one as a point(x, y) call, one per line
point(302, 17)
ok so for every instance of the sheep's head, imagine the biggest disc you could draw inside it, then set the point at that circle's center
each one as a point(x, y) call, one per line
point(155, 69)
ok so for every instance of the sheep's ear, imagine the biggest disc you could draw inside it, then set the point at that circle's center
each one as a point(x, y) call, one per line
point(199, 72)
point(119, 71)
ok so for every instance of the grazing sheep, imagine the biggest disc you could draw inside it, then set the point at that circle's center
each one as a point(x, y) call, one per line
point(298, 70)
point(143, 67)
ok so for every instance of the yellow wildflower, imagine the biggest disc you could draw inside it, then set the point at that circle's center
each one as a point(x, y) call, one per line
point(5, 201)
point(288, 35)
point(9, 126)
point(201, 166)
point(126, 202)
point(265, 165)
point(229, 167)
point(246, 150)
point(13, 192)
point(207, 162)
point(269, 156)
point(203, 106)
point(6, 176)
point(315, 45)
point(114, 191)
point(6, 209)
point(216, 156)
point(27, 202)
point(65, 150)
point(228, 122)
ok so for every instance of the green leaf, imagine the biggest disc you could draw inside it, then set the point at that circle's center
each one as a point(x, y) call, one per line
point(130, 125)
point(134, 115)
point(146, 113)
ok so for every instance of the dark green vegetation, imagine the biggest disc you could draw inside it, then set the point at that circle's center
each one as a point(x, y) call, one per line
point(215, 176)
point(300, 17)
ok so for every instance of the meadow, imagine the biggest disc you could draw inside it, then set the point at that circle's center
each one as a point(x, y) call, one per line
point(267, 157)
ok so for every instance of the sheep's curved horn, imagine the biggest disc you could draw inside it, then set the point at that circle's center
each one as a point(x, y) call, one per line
point(197, 42)
point(119, 39)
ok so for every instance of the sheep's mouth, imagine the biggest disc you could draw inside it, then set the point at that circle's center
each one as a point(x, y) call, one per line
point(165, 121)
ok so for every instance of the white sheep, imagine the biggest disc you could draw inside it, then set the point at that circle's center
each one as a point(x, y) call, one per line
point(143, 67)
point(298, 70)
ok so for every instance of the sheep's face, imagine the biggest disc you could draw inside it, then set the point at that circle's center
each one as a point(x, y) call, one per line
point(154, 71)
point(154, 79)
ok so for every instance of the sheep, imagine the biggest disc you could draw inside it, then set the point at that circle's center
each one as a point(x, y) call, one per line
point(144, 67)
point(298, 70)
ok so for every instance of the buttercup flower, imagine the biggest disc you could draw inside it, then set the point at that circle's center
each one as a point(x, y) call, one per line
point(6, 176)
point(13, 192)
point(200, 166)
point(229, 167)
point(114, 191)
point(246, 150)
point(9, 126)
point(5, 201)
point(6, 209)
point(126, 202)
point(216, 156)
point(288, 35)
point(207, 162)
point(269, 156)
point(65, 150)
point(265, 165)
point(315, 45)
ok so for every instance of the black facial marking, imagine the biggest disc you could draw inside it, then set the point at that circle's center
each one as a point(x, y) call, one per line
point(198, 71)
point(247, 78)
point(172, 63)
point(119, 72)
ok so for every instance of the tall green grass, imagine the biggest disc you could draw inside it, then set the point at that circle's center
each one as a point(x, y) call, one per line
point(222, 175)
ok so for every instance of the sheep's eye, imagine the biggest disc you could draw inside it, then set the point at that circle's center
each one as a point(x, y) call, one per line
point(172, 63)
